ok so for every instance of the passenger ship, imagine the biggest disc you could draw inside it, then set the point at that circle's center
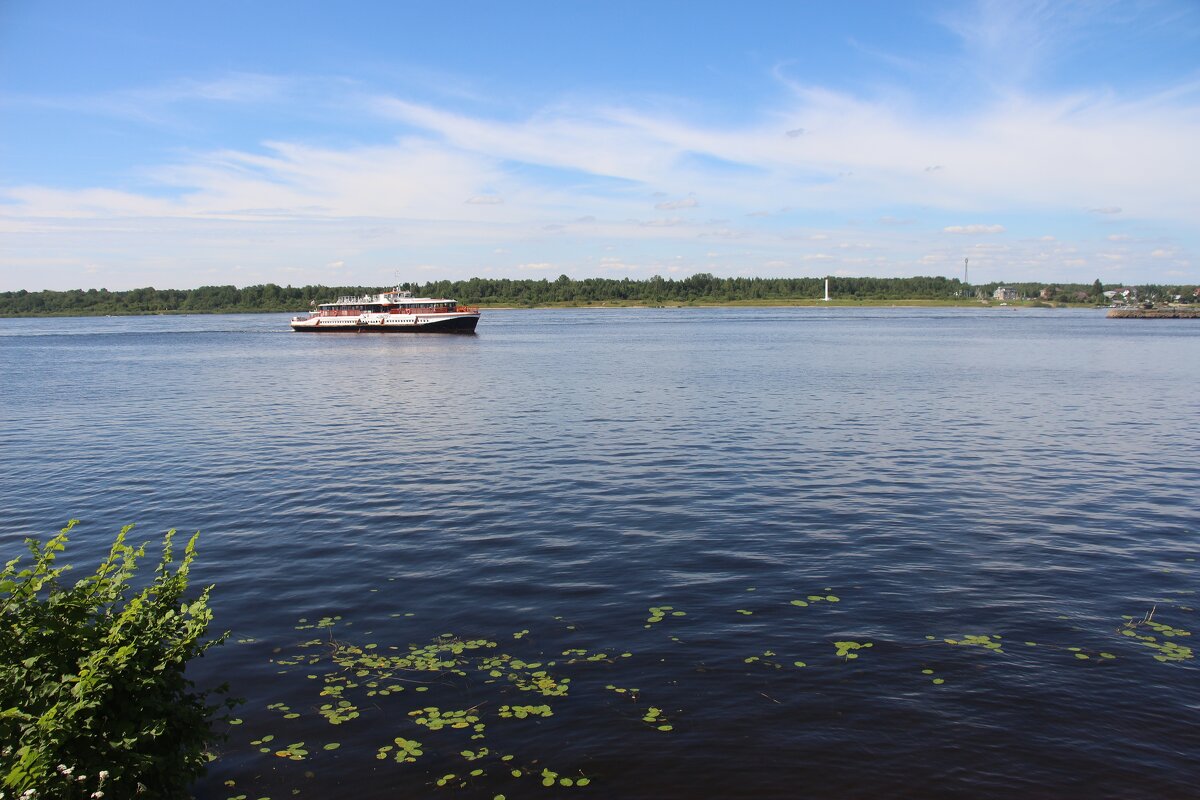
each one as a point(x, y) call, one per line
point(389, 312)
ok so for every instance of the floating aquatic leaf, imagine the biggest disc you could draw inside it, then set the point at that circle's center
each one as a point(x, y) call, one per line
point(659, 613)
point(521, 712)
point(332, 746)
point(435, 719)
point(657, 719)
point(293, 752)
point(407, 750)
point(1166, 651)
point(977, 640)
point(846, 649)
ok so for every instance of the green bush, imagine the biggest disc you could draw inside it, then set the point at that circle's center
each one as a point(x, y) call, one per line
point(94, 701)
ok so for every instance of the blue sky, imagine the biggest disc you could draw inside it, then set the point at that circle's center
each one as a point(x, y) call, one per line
point(177, 145)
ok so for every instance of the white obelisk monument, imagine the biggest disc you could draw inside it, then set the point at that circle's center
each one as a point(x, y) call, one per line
point(827, 297)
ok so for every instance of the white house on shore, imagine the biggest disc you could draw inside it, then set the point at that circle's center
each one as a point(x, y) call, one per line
point(1004, 293)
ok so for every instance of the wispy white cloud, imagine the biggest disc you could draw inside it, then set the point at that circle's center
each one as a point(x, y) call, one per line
point(671, 205)
point(973, 229)
point(165, 103)
point(1010, 41)
point(1027, 154)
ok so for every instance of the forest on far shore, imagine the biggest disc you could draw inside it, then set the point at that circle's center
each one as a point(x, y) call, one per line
point(702, 288)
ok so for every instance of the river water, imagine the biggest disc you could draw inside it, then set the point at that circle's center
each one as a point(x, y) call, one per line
point(845, 489)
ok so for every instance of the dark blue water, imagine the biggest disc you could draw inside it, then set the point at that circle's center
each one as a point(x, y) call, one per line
point(1027, 476)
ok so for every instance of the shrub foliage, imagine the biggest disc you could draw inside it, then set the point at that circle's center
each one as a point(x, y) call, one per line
point(94, 701)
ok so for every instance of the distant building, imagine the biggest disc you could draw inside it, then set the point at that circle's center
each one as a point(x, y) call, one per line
point(1004, 293)
point(1048, 293)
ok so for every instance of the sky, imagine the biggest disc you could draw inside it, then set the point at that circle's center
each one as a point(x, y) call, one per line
point(176, 145)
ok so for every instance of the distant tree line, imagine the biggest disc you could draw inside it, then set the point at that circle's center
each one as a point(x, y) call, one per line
point(699, 288)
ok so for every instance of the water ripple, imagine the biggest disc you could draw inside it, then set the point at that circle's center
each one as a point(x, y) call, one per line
point(943, 473)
